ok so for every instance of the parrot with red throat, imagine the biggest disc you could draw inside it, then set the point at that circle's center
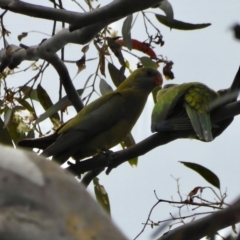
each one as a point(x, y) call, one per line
point(103, 123)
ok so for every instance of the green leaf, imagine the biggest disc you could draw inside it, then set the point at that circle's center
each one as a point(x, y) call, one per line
point(9, 114)
point(234, 229)
point(21, 36)
point(14, 133)
point(101, 195)
point(148, 62)
point(116, 74)
point(46, 103)
point(29, 92)
point(11, 126)
point(126, 31)
point(25, 104)
point(168, 10)
point(5, 137)
point(85, 85)
point(104, 87)
point(30, 134)
point(128, 142)
point(7, 117)
point(116, 49)
point(180, 25)
point(204, 172)
point(133, 162)
point(56, 107)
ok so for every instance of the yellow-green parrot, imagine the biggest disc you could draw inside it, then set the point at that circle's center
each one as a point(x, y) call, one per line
point(184, 107)
point(103, 123)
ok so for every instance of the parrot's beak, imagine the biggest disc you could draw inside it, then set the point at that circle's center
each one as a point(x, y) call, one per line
point(159, 80)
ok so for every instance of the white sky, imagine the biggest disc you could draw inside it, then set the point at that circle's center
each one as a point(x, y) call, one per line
point(210, 56)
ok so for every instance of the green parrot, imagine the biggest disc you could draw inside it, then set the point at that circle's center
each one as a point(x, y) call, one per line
point(184, 107)
point(103, 123)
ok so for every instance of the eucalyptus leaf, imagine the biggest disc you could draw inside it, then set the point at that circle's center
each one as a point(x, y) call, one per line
point(207, 174)
point(85, 85)
point(15, 134)
point(101, 195)
point(104, 87)
point(168, 10)
point(46, 103)
point(29, 92)
point(7, 117)
point(30, 134)
point(126, 31)
point(128, 142)
point(148, 62)
point(55, 108)
point(179, 24)
point(25, 104)
point(22, 35)
point(117, 75)
point(5, 137)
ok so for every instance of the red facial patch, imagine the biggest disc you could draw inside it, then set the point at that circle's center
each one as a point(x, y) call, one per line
point(159, 79)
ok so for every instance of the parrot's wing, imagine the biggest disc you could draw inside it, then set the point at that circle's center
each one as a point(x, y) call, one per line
point(178, 121)
point(201, 123)
point(91, 121)
point(197, 101)
point(167, 99)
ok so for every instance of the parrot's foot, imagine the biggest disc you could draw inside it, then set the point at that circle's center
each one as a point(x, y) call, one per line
point(108, 156)
point(111, 162)
point(107, 153)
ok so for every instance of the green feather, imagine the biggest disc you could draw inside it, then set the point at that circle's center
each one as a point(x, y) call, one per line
point(184, 107)
point(103, 123)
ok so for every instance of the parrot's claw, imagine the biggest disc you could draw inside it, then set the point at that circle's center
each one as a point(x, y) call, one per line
point(108, 156)
point(107, 152)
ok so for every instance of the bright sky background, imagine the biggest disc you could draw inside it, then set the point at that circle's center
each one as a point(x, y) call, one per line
point(211, 56)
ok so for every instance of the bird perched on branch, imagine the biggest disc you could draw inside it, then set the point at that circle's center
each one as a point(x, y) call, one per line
point(184, 107)
point(103, 123)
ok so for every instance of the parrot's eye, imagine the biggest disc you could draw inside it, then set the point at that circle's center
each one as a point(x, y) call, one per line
point(149, 73)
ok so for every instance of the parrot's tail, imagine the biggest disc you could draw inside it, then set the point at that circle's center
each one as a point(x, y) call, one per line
point(41, 143)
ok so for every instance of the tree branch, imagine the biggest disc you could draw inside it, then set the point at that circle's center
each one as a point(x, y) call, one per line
point(66, 81)
point(207, 225)
point(13, 55)
point(117, 9)
point(90, 176)
point(222, 116)
point(38, 11)
point(113, 11)
point(113, 160)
